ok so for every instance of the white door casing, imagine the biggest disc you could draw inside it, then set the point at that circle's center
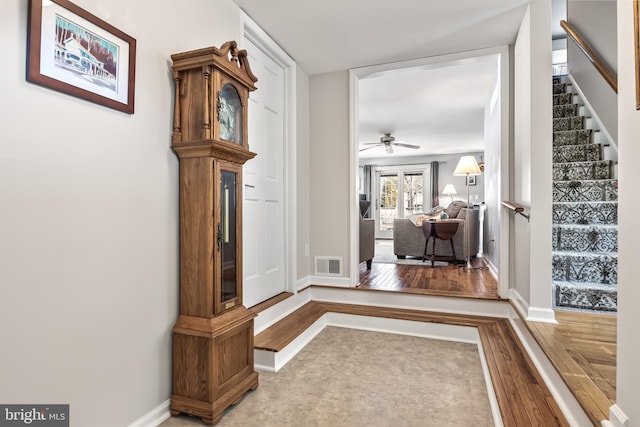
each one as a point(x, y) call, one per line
point(268, 234)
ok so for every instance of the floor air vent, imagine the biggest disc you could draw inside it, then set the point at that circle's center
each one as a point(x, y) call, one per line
point(328, 266)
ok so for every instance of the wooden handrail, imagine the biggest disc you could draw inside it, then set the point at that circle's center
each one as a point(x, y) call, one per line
point(517, 209)
point(604, 70)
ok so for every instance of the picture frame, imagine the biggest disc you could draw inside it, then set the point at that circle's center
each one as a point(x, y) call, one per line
point(471, 180)
point(636, 41)
point(74, 52)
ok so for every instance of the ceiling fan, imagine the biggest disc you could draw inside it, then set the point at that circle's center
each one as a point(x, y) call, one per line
point(387, 141)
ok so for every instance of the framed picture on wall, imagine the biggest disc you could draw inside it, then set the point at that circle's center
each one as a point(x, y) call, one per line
point(471, 180)
point(77, 53)
point(636, 37)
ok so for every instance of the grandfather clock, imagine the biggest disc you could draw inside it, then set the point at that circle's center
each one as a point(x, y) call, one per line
point(213, 337)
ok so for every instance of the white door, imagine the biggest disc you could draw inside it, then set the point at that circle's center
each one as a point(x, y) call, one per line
point(263, 215)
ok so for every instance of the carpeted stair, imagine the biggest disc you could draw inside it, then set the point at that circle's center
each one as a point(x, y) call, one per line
point(585, 212)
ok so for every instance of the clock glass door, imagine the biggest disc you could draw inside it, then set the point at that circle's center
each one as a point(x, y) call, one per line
point(230, 114)
point(227, 235)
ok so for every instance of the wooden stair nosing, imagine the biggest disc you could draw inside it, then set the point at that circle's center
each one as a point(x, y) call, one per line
point(277, 336)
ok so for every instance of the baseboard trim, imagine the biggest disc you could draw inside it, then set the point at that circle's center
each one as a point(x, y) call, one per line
point(617, 417)
point(154, 417)
point(303, 283)
point(568, 404)
point(537, 314)
point(531, 314)
point(337, 282)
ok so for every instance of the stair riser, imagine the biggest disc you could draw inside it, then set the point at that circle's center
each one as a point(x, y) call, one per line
point(559, 88)
point(581, 171)
point(585, 191)
point(572, 137)
point(592, 239)
point(602, 300)
point(584, 268)
point(565, 110)
point(577, 153)
point(563, 98)
point(568, 123)
point(585, 213)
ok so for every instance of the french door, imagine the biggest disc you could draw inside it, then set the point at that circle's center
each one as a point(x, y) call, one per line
point(398, 192)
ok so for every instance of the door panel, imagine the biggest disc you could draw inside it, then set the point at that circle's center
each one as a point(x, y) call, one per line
point(264, 264)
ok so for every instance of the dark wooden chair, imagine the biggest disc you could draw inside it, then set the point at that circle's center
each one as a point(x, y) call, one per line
point(443, 230)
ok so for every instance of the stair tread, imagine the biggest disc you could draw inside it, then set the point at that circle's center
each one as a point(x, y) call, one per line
point(586, 226)
point(280, 334)
point(587, 202)
point(595, 285)
point(586, 254)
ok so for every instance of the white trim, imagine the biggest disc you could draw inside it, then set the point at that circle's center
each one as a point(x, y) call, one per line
point(268, 46)
point(505, 170)
point(302, 283)
point(531, 314)
point(279, 311)
point(154, 417)
point(354, 214)
point(594, 116)
point(339, 282)
point(452, 305)
point(567, 403)
point(356, 74)
point(617, 417)
point(273, 361)
point(540, 314)
point(493, 400)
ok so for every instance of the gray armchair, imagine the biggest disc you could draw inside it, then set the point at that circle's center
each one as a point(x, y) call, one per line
point(367, 235)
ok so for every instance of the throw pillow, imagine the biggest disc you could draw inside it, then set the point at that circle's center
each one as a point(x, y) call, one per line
point(454, 208)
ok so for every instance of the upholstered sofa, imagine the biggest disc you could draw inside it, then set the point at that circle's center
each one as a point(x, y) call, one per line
point(409, 240)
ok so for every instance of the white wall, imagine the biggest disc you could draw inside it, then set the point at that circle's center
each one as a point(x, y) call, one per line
point(329, 167)
point(89, 230)
point(532, 155)
point(628, 369)
point(595, 21)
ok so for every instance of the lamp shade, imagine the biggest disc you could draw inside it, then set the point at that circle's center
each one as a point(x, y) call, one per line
point(449, 190)
point(467, 165)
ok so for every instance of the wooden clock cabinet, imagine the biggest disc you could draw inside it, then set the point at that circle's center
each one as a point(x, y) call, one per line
point(213, 337)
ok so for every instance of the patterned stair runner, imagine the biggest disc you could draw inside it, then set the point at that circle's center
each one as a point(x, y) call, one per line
point(585, 213)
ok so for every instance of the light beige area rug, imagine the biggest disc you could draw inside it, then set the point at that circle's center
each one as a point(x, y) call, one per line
point(352, 378)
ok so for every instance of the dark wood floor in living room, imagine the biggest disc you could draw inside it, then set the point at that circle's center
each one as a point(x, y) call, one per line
point(450, 280)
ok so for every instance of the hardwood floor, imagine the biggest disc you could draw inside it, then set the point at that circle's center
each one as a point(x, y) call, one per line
point(582, 346)
point(423, 279)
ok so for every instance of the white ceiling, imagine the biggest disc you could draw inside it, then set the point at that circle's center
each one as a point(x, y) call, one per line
point(438, 108)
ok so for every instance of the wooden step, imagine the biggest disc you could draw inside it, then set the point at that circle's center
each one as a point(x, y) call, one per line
point(270, 302)
point(280, 334)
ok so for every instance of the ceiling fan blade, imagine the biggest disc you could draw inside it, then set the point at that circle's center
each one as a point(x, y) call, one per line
point(400, 144)
point(370, 143)
point(364, 149)
point(389, 148)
